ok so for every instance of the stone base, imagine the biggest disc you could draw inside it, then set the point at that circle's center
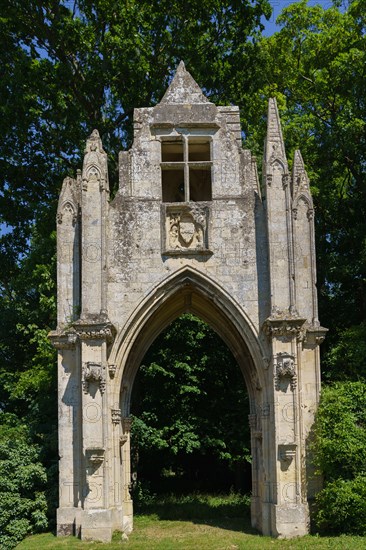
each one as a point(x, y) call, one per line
point(68, 522)
point(290, 521)
point(96, 525)
point(127, 524)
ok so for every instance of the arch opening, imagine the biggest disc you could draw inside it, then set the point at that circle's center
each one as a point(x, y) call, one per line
point(188, 292)
point(191, 292)
point(189, 408)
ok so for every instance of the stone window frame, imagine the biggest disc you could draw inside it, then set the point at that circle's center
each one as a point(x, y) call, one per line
point(186, 164)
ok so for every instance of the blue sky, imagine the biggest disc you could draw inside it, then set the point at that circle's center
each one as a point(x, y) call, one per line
point(278, 5)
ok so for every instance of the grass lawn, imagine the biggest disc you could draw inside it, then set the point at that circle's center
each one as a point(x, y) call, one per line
point(194, 523)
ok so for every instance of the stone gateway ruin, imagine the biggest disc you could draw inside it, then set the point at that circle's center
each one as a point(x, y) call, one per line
point(190, 230)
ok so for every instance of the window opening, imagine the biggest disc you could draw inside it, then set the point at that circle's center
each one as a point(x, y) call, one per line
point(186, 169)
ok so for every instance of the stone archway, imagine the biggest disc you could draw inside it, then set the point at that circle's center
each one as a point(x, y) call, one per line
point(189, 229)
point(188, 291)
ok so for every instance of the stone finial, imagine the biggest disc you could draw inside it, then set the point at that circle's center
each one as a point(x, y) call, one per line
point(183, 89)
point(274, 145)
point(94, 143)
point(68, 201)
point(95, 162)
point(300, 180)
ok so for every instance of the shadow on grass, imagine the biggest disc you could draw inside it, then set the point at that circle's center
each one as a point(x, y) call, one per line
point(231, 513)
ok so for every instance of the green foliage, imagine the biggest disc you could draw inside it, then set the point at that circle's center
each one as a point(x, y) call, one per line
point(190, 405)
point(342, 506)
point(23, 505)
point(346, 360)
point(340, 453)
point(341, 430)
point(318, 79)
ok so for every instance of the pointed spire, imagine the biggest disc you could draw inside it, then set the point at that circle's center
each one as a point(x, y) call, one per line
point(95, 161)
point(183, 89)
point(274, 146)
point(94, 143)
point(300, 180)
point(68, 200)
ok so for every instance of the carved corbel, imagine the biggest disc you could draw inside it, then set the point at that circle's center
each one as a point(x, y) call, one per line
point(127, 423)
point(116, 416)
point(123, 439)
point(94, 456)
point(66, 340)
point(310, 214)
point(93, 372)
point(285, 368)
point(287, 452)
point(314, 335)
point(112, 370)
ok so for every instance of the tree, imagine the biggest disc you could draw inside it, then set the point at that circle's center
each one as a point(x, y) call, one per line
point(340, 453)
point(23, 505)
point(190, 411)
point(318, 78)
point(69, 67)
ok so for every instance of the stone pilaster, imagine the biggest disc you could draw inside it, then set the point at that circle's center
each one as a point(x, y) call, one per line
point(94, 197)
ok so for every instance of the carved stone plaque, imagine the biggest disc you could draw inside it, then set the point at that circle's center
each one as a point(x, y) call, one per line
point(185, 229)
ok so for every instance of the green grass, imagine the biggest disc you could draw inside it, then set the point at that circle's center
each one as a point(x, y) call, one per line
point(194, 522)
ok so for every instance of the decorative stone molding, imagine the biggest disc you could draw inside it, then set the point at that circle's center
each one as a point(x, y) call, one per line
point(266, 410)
point(285, 181)
point(127, 423)
point(63, 340)
point(96, 333)
point(283, 325)
point(255, 380)
point(67, 208)
point(123, 439)
point(314, 335)
point(116, 416)
point(284, 367)
point(93, 372)
point(287, 452)
point(252, 421)
point(98, 330)
point(310, 214)
point(112, 370)
point(185, 229)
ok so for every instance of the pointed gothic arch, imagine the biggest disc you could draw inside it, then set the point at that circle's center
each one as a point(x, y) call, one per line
point(183, 292)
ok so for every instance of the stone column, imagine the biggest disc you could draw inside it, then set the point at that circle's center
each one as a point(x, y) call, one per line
point(289, 508)
point(126, 475)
